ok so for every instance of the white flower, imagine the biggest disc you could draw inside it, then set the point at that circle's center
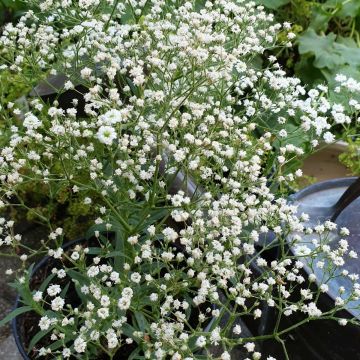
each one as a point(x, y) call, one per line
point(94, 335)
point(37, 296)
point(344, 231)
point(57, 304)
point(53, 290)
point(257, 313)
point(250, 346)
point(339, 301)
point(105, 301)
point(283, 133)
point(44, 323)
point(80, 344)
point(93, 271)
point(111, 117)
point(31, 122)
point(328, 137)
point(154, 297)
point(85, 73)
point(133, 239)
point(112, 339)
point(324, 288)
point(342, 322)
point(237, 330)
point(106, 134)
point(68, 85)
point(340, 78)
point(201, 341)
point(66, 353)
point(56, 253)
point(353, 254)
point(215, 336)
point(87, 201)
point(103, 313)
point(170, 234)
point(312, 310)
point(135, 277)
point(75, 255)
point(125, 300)
point(225, 356)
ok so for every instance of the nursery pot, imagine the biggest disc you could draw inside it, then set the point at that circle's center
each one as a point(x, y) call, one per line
point(326, 339)
point(15, 324)
point(18, 323)
point(320, 339)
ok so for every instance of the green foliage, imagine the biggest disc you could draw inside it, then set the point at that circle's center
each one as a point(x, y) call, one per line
point(320, 47)
point(351, 157)
point(12, 87)
point(273, 4)
point(62, 208)
point(328, 43)
point(10, 10)
point(328, 37)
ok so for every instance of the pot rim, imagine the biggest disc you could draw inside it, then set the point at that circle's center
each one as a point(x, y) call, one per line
point(14, 322)
point(42, 262)
point(323, 185)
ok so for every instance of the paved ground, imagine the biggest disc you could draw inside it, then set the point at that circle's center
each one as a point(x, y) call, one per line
point(8, 349)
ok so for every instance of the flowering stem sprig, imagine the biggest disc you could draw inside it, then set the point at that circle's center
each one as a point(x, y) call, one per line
point(180, 151)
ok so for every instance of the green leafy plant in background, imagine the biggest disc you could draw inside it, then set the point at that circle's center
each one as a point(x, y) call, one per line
point(10, 10)
point(68, 211)
point(328, 37)
point(351, 158)
point(328, 43)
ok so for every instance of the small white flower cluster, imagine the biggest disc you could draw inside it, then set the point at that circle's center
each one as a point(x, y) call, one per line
point(179, 144)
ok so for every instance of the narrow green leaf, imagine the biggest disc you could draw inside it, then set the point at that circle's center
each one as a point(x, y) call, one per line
point(82, 279)
point(65, 290)
point(46, 282)
point(39, 336)
point(94, 251)
point(98, 227)
point(135, 354)
point(141, 321)
point(116, 254)
point(56, 345)
point(128, 330)
point(14, 313)
point(119, 248)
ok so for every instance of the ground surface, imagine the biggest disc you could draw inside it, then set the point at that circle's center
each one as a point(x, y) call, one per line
point(31, 236)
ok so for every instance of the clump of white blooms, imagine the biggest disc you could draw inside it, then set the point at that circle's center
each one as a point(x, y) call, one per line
point(176, 144)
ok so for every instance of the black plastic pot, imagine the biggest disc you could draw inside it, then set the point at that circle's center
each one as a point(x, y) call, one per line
point(15, 325)
point(325, 339)
point(315, 200)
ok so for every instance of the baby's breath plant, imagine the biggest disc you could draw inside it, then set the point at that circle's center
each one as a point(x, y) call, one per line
point(183, 156)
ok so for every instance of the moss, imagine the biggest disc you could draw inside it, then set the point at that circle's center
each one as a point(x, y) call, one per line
point(351, 157)
point(12, 87)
